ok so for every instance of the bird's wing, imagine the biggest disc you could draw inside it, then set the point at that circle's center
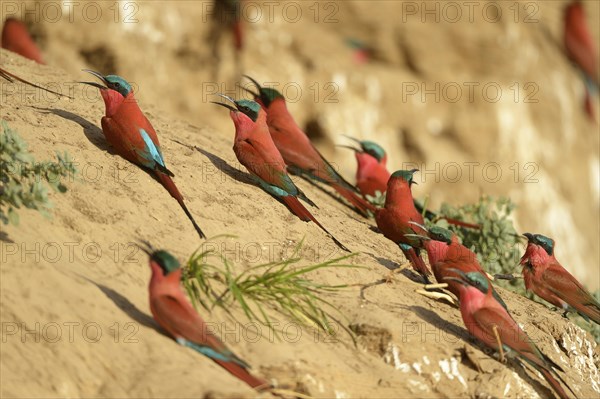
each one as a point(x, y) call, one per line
point(565, 286)
point(510, 333)
point(180, 318)
point(271, 169)
point(150, 155)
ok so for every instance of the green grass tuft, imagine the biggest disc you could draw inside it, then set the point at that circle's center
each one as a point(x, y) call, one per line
point(211, 281)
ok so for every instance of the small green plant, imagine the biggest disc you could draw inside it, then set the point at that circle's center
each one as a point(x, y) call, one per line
point(22, 178)
point(497, 244)
point(378, 199)
point(210, 280)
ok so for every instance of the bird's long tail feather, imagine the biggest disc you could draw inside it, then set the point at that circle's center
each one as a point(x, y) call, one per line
point(433, 217)
point(169, 184)
point(592, 311)
point(359, 203)
point(554, 383)
point(417, 262)
point(304, 214)
point(10, 77)
point(241, 373)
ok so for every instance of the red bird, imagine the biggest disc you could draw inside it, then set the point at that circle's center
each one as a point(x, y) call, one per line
point(550, 281)
point(16, 38)
point(446, 254)
point(300, 155)
point(176, 315)
point(579, 42)
point(581, 49)
point(488, 321)
point(399, 220)
point(371, 173)
point(254, 148)
point(128, 130)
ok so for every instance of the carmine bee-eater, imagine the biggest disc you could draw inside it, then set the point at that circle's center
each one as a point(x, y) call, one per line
point(254, 148)
point(372, 176)
point(550, 281)
point(176, 315)
point(446, 254)
point(581, 49)
point(487, 320)
point(579, 42)
point(400, 221)
point(371, 173)
point(16, 38)
point(298, 152)
point(130, 133)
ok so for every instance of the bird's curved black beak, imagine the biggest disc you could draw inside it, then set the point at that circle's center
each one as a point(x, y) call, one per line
point(462, 279)
point(351, 138)
point(458, 280)
point(95, 84)
point(229, 107)
point(419, 236)
point(146, 247)
point(529, 237)
point(254, 94)
point(412, 181)
point(349, 147)
point(255, 83)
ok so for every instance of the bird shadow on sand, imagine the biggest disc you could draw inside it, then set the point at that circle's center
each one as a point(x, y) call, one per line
point(92, 132)
point(126, 306)
point(391, 265)
point(5, 238)
point(222, 165)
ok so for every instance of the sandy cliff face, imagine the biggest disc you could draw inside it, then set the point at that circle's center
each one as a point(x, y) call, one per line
point(77, 282)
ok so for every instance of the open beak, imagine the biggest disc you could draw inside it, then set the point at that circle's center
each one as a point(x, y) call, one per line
point(146, 247)
point(351, 138)
point(258, 87)
point(529, 236)
point(229, 107)
point(462, 276)
point(418, 225)
point(348, 146)
point(461, 279)
point(458, 280)
point(417, 236)
point(254, 95)
point(95, 84)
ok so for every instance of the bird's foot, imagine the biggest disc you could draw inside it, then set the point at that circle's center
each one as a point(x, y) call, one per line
point(499, 342)
point(437, 295)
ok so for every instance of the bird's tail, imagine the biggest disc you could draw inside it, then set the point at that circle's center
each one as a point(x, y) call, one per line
point(169, 184)
point(549, 377)
point(416, 261)
point(304, 214)
point(433, 217)
point(243, 374)
point(590, 310)
point(362, 205)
